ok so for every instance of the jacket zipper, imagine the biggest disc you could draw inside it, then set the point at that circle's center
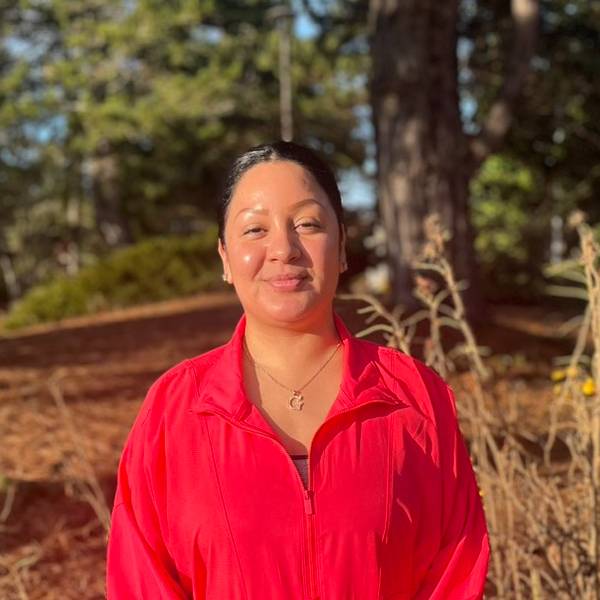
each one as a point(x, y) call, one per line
point(309, 508)
point(308, 495)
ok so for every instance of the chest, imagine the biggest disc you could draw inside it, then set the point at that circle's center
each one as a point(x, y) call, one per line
point(295, 427)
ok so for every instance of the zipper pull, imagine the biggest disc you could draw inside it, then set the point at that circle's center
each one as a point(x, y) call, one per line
point(308, 504)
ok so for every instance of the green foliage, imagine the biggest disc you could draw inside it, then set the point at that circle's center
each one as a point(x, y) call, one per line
point(555, 139)
point(556, 132)
point(511, 231)
point(128, 113)
point(499, 197)
point(155, 269)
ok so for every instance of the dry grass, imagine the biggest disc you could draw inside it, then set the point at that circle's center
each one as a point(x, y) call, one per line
point(64, 545)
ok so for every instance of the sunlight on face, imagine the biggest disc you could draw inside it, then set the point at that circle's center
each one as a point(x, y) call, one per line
point(282, 249)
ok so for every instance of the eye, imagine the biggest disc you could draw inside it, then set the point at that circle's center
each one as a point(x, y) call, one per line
point(254, 230)
point(308, 225)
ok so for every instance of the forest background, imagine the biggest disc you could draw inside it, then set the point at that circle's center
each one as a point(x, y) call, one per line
point(118, 120)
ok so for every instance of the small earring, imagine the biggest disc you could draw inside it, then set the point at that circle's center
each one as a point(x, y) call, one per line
point(224, 277)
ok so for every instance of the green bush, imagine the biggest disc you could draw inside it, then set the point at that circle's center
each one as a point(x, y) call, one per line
point(511, 238)
point(152, 270)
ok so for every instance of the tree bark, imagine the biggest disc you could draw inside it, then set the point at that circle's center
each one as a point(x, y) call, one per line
point(424, 159)
point(11, 282)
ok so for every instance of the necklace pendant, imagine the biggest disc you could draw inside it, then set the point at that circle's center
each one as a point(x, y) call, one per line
point(296, 401)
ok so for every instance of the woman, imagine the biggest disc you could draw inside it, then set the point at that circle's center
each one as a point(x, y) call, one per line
point(212, 498)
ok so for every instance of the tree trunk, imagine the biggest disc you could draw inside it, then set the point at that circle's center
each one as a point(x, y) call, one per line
point(422, 152)
point(102, 171)
point(11, 282)
point(424, 159)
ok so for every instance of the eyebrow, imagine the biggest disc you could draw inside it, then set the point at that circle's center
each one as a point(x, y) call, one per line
point(296, 205)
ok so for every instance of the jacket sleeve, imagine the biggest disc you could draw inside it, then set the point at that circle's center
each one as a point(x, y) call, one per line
point(458, 569)
point(139, 566)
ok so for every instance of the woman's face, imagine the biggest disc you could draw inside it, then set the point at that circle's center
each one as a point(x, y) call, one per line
point(282, 251)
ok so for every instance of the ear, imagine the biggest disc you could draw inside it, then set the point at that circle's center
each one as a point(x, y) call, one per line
point(223, 255)
point(343, 258)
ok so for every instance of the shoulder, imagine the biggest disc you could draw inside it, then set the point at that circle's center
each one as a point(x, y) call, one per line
point(165, 407)
point(174, 390)
point(404, 374)
point(203, 363)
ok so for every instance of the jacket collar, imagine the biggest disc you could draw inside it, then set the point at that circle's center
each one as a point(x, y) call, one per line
point(222, 390)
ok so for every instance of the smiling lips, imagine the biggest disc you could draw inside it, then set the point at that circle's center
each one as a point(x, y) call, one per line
point(286, 283)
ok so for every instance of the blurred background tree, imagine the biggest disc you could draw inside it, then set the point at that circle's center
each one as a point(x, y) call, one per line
point(118, 119)
point(425, 157)
point(549, 162)
point(450, 87)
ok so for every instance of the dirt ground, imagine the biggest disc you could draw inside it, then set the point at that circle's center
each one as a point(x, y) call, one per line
point(69, 394)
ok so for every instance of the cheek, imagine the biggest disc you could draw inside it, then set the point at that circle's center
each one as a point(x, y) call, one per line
point(324, 256)
point(248, 260)
point(327, 251)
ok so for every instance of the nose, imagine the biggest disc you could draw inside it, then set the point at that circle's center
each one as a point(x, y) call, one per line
point(283, 245)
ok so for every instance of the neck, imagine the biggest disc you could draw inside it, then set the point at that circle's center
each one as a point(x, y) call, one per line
point(284, 348)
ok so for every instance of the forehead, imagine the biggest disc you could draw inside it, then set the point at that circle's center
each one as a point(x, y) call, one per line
point(277, 180)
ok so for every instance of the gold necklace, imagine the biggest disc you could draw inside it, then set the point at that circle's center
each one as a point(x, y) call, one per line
point(296, 400)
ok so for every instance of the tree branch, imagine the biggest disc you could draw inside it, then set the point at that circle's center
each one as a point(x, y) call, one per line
point(525, 15)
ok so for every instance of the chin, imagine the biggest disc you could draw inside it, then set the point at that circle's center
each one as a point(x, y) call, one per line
point(287, 314)
point(291, 310)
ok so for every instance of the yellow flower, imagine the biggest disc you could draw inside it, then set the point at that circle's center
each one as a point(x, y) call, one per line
point(557, 388)
point(558, 375)
point(572, 371)
point(589, 387)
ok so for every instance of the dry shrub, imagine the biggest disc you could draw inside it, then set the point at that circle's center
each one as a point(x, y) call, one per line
point(543, 514)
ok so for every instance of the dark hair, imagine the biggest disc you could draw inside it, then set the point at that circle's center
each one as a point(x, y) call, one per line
point(281, 151)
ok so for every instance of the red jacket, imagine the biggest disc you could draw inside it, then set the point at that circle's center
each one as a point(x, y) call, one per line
point(209, 504)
